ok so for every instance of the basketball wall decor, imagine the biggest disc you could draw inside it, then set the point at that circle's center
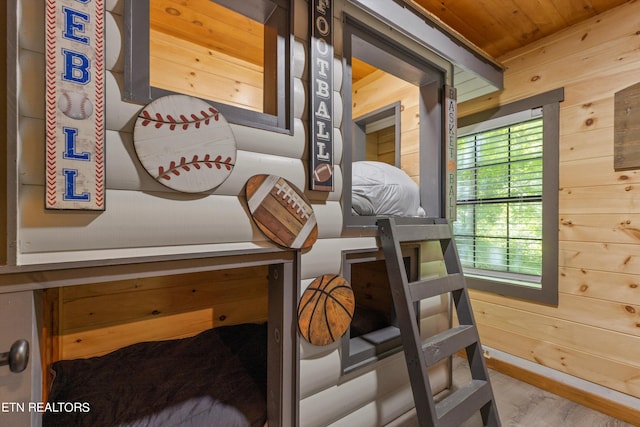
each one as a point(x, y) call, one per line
point(184, 143)
point(325, 309)
point(281, 211)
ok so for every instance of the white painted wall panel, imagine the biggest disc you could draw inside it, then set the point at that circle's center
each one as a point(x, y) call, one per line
point(277, 144)
point(329, 218)
point(249, 164)
point(379, 412)
point(30, 78)
point(337, 109)
point(31, 25)
point(432, 306)
point(114, 47)
point(134, 219)
point(334, 403)
point(391, 406)
point(31, 151)
point(125, 172)
point(119, 115)
point(337, 146)
point(299, 95)
point(114, 6)
point(299, 59)
point(319, 373)
point(337, 74)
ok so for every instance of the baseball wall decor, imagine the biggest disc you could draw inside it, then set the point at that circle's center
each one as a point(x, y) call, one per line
point(184, 143)
point(75, 134)
point(281, 211)
point(325, 309)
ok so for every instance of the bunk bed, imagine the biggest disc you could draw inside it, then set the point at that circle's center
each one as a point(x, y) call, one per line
point(203, 344)
point(217, 377)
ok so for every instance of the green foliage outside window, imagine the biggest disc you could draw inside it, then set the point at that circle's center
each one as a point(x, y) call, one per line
point(499, 202)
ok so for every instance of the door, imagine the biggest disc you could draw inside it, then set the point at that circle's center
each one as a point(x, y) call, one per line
point(19, 390)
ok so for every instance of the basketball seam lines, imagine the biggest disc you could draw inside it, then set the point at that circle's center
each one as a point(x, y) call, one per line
point(322, 291)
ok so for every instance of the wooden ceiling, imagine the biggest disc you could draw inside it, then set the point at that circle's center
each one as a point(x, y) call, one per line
point(500, 26)
point(494, 26)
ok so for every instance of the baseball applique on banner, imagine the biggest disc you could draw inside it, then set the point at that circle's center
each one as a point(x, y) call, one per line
point(281, 211)
point(184, 143)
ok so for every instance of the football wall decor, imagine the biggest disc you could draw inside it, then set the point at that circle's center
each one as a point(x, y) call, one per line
point(281, 211)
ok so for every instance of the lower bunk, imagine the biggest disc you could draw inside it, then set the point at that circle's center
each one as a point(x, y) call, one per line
point(188, 349)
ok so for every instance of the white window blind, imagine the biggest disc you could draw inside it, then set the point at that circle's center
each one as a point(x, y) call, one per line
point(498, 230)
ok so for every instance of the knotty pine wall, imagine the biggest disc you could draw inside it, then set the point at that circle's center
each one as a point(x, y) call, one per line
point(192, 69)
point(380, 89)
point(594, 332)
point(381, 145)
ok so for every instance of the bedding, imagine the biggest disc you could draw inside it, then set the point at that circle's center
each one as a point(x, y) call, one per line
point(216, 378)
point(379, 189)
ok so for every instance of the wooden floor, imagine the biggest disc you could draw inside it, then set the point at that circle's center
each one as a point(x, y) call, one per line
point(520, 404)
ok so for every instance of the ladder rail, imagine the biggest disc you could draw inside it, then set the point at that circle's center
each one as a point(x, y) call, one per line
point(477, 395)
point(406, 316)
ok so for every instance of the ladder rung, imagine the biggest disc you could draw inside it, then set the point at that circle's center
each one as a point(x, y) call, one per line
point(447, 342)
point(459, 406)
point(435, 286)
point(419, 233)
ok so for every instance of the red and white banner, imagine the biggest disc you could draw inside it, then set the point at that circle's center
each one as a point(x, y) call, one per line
point(75, 171)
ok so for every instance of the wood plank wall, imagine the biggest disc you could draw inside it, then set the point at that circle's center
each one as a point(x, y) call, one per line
point(380, 89)
point(92, 320)
point(381, 145)
point(192, 69)
point(594, 332)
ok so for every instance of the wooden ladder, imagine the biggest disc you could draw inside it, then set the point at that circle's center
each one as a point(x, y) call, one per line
point(477, 394)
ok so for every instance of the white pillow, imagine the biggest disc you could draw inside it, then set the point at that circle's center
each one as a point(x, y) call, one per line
point(379, 189)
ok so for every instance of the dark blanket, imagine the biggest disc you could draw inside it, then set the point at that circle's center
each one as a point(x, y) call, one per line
point(220, 372)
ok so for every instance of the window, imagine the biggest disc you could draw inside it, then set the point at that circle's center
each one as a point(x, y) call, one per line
point(235, 55)
point(506, 227)
point(386, 83)
point(377, 135)
point(373, 333)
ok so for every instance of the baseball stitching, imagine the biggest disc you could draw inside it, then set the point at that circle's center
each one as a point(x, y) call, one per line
point(293, 199)
point(174, 169)
point(67, 103)
point(184, 121)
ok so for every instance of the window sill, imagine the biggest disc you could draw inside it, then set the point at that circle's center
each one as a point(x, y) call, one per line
point(505, 278)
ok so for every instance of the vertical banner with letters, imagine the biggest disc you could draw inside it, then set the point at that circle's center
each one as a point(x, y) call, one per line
point(75, 170)
point(321, 99)
point(451, 129)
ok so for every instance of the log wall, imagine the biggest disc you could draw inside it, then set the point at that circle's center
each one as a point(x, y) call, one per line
point(145, 219)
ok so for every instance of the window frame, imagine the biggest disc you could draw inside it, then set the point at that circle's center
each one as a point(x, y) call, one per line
point(547, 292)
point(357, 353)
point(429, 79)
point(360, 130)
point(137, 87)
